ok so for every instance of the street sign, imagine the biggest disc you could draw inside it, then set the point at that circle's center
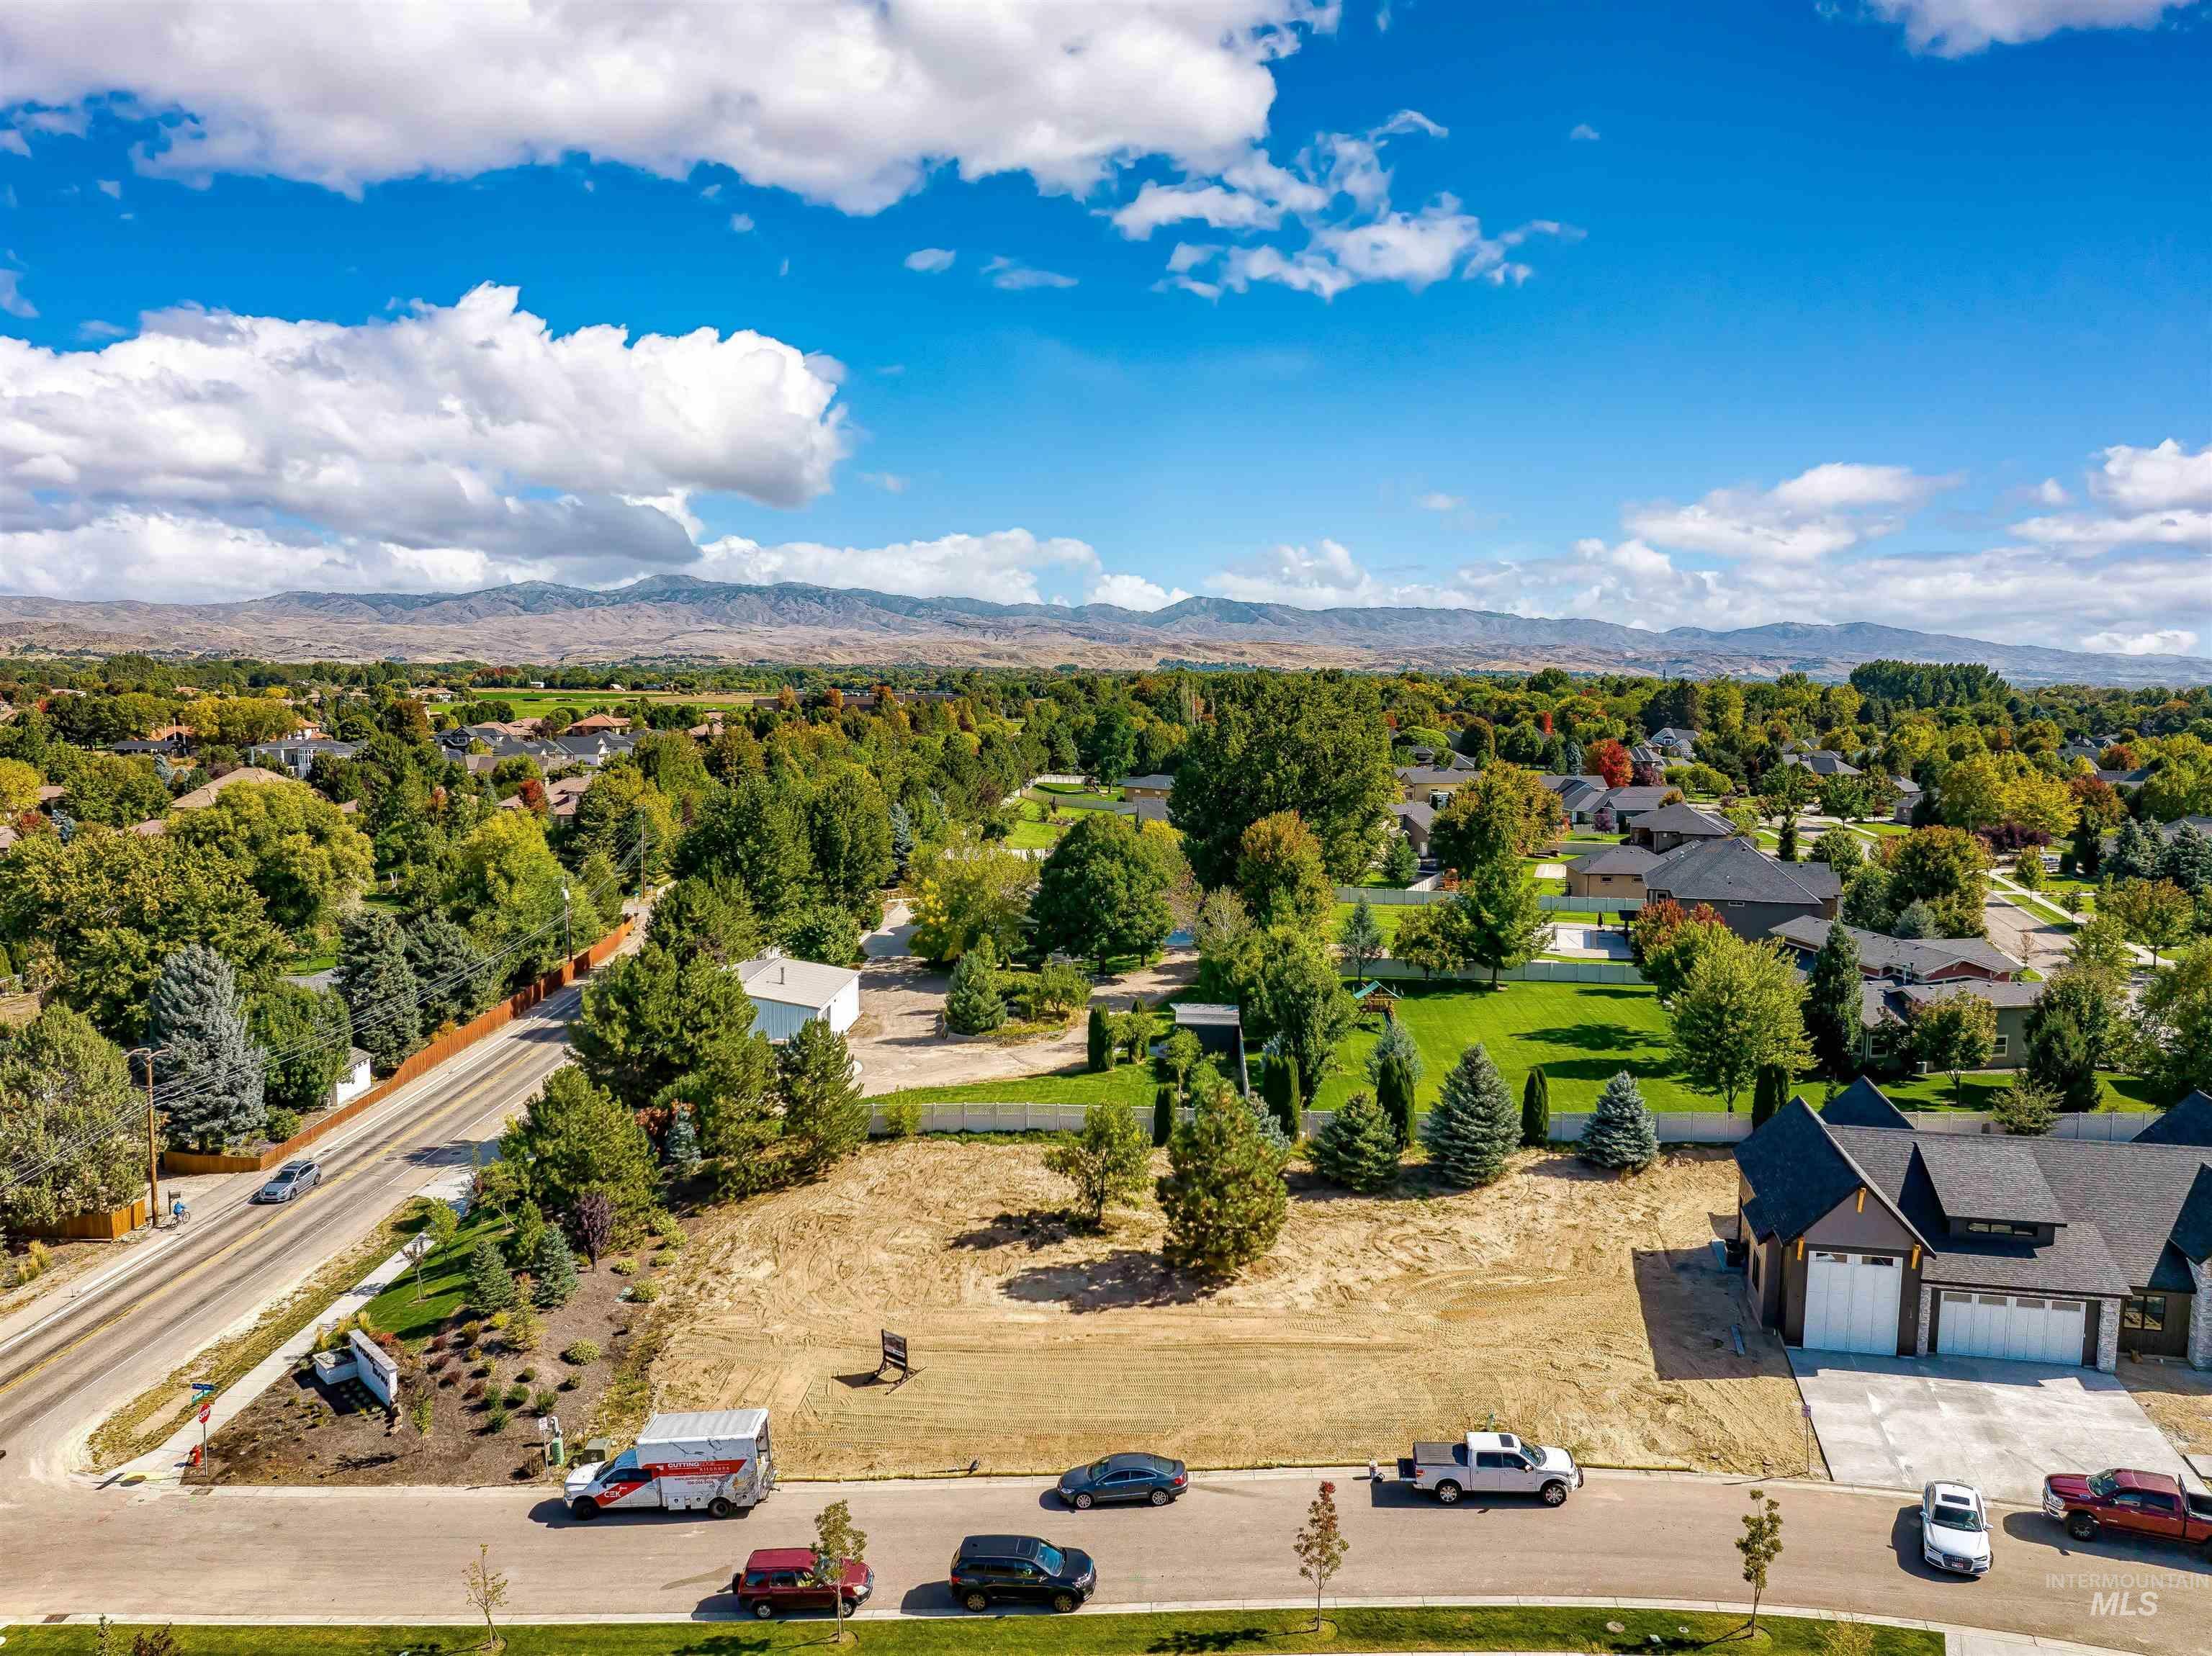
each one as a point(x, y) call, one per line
point(206, 1410)
point(203, 1387)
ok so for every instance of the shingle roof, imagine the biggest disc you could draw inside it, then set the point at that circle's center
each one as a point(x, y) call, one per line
point(1615, 859)
point(1682, 818)
point(1998, 1180)
point(1796, 1168)
point(1736, 871)
point(2189, 1122)
point(1423, 776)
point(1156, 780)
point(1822, 761)
point(204, 796)
point(1417, 811)
point(1862, 1104)
point(2005, 997)
point(1881, 953)
point(1635, 801)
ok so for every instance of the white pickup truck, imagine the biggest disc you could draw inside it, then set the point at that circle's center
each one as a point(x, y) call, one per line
point(1491, 1463)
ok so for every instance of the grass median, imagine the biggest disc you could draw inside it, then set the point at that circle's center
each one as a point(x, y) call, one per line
point(1501, 1629)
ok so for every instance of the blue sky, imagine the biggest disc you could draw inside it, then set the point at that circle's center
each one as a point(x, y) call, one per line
point(1670, 313)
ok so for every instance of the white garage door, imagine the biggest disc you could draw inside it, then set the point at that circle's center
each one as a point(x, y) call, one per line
point(1850, 1303)
point(2023, 1328)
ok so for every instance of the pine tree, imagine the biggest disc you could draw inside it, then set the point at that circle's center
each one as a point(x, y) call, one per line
point(379, 987)
point(1535, 1110)
point(1770, 1091)
point(1831, 1004)
point(1394, 1066)
point(1571, 758)
point(1279, 1088)
point(553, 1264)
point(1402, 864)
point(1223, 1193)
point(1915, 920)
point(1472, 1132)
point(1357, 1149)
point(1360, 937)
point(1785, 847)
point(449, 970)
point(973, 1004)
point(824, 1119)
point(1620, 1133)
point(211, 1066)
point(1099, 1041)
point(901, 838)
point(683, 1146)
point(491, 1285)
point(1164, 1099)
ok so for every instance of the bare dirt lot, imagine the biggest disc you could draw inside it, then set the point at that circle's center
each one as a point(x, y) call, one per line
point(2178, 1398)
point(1580, 1310)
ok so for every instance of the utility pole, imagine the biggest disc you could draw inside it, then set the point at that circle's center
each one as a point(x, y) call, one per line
point(153, 1138)
point(568, 944)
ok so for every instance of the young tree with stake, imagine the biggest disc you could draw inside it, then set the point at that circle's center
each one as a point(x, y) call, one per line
point(1760, 1544)
point(837, 1542)
point(487, 1591)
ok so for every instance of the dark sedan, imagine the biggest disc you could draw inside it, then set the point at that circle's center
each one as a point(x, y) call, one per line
point(1124, 1478)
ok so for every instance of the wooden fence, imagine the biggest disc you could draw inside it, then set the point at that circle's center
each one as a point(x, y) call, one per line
point(111, 1225)
point(417, 1065)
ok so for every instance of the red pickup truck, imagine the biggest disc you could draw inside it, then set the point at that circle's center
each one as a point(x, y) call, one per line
point(2148, 1504)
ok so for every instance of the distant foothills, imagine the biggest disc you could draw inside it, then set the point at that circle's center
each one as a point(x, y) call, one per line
point(680, 619)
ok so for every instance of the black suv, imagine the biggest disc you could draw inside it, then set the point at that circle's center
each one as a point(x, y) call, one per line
point(993, 1570)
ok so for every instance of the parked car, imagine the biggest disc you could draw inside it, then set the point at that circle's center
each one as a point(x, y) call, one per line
point(998, 1569)
point(293, 1179)
point(1954, 1529)
point(2148, 1504)
point(779, 1579)
point(1491, 1463)
point(1124, 1478)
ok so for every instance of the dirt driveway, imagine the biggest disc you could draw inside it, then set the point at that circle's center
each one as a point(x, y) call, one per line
point(1579, 1310)
point(897, 1042)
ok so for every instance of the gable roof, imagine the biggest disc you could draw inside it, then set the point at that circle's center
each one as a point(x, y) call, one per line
point(2189, 1122)
point(1734, 870)
point(1999, 1180)
point(1154, 780)
point(1423, 776)
point(1822, 761)
point(2005, 997)
point(1801, 1170)
point(1879, 952)
point(1615, 859)
point(1637, 798)
point(1684, 818)
point(204, 796)
point(1862, 1104)
point(1420, 812)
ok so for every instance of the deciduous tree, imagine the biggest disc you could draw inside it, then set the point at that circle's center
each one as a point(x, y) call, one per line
point(1955, 1034)
point(67, 1130)
point(1103, 892)
point(1741, 1007)
point(1279, 874)
point(1107, 1162)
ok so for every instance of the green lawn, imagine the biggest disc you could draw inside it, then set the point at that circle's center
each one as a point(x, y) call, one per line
point(1933, 1092)
point(1125, 1083)
point(1581, 1032)
point(1387, 916)
point(1283, 1632)
point(445, 1280)
point(1033, 831)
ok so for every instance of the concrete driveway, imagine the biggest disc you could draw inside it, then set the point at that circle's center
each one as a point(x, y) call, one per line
point(1890, 1424)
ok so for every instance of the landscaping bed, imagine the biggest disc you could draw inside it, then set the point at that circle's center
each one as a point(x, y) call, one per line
point(484, 1408)
point(1499, 1628)
point(1578, 1308)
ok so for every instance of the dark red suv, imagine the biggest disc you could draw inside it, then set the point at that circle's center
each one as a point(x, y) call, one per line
point(777, 1579)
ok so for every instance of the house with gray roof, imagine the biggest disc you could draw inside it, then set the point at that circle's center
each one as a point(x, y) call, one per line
point(1415, 818)
point(1751, 892)
point(1905, 960)
point(1421, 784)
point(1674, 740)
point(1671, 826)
point(1615, 871)
point(1864, 1234)
point(1823, 761)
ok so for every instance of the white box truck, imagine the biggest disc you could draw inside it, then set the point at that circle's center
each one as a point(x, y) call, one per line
point(718, 1461)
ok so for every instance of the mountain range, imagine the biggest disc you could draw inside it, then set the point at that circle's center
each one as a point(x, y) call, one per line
point(680, 619)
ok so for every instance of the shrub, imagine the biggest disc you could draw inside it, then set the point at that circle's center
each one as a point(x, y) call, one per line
point(2023, 1109)
point(644, 1293)
point(470, 1331)
point(495, 1422)
point(476, 1389)
point(523, 1329)
point(582, 1353)
point(904, 1120)
point(282, 1124)
point(568, 1383)
point(497, 1322)
point(526, 1375)
point(542, 1403)
point(514, 1396)
point(973, 1004)
point(422, 1413)
point(622, 1267)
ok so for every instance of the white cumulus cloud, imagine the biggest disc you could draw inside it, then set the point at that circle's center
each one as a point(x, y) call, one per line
point(1014, 276)
point(1959, 28)
point(930, 260)
point(1828, 509)
point(2159, 496)
point(1584, 133)
point(346, 94)
point(2163, 642)
point(1134, 592)
point(1001, 566)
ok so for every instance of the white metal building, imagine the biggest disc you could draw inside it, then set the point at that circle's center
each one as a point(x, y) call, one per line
point(785, 993)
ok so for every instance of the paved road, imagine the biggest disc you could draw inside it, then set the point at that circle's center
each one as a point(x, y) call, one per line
point(379, 1556)
point(68, 1360)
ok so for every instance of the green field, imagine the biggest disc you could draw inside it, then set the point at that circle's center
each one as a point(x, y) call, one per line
point(1387, 917)
point(1348, 1628)
point(1581, 1032)
point(1033, 831)
point(1933, 1092)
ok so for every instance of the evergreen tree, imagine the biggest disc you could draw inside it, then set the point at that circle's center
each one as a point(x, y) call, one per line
point(2136, 851)
point(1620, 1132)
point(681, 1149)
point(1395, 1065)
point(824, 1119)
point(2187, 859)
point(1914, 921)
point(1785, 847)
point(379, 987)
point(553, 1266)
point(451, 979)
point(1223, 1193)
point(211, 1067)
point(1402, 864)
point(1535, 1110)
point(491, 1285)
point(1360, 937)
point(1098, 1040)
point(1571, 758)
point(973, 1004)
point(901, 838)
point(1357, 1148)
point(2068, 1029)
point(1831, 1004)
point(1279, 1088)
point(1164, 1099)
point(1473, 1131)
point(1770, 1091)
point(706, 914)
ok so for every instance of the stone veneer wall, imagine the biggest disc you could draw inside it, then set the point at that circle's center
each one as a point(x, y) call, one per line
point(2108, 1334)
point(2200, 1317)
